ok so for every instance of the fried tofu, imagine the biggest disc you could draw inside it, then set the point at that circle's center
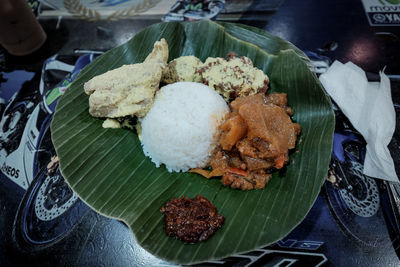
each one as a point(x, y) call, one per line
point(128, 90)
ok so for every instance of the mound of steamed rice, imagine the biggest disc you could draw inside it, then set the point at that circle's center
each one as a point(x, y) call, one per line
point(180, 130)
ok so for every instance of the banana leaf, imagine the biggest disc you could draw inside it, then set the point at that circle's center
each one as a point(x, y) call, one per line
point(108, 170)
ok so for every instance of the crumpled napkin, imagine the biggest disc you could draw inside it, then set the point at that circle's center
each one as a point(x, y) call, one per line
point(369, 107)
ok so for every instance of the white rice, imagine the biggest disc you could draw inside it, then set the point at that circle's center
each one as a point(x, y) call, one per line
point(180, 130)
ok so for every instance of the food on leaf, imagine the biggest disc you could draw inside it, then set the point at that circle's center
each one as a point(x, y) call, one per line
point(233, 129)
point(130, 188)
point(191, 220)
point(111, 123)
point(234, 77)
point(271, 124)
point(128, 90)
point(256, 138)
point(188, 126)
point(182, 69)
point(181, 128)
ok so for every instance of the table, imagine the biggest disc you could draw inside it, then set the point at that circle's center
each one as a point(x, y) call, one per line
point(333, 234)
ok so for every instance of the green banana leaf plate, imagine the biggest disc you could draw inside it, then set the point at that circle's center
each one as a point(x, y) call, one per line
point(108, 170)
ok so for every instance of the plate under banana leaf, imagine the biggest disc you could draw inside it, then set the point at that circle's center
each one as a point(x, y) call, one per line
point(108, 170)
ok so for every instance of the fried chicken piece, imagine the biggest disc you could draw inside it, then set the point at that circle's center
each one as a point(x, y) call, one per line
point(159, 55)
point(182, 69)
point(128, 90)
point(234, 77)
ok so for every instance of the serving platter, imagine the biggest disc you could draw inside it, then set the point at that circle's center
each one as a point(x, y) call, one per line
point(108, 170)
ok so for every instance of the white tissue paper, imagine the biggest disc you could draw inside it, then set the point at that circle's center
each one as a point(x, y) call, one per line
point(369, 107)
